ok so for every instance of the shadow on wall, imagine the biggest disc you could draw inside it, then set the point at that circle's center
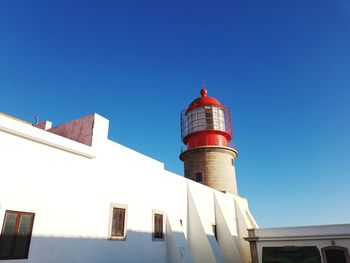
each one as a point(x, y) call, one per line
point(137, 247)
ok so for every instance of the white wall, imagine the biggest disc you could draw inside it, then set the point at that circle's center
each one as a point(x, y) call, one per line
point(70, 190)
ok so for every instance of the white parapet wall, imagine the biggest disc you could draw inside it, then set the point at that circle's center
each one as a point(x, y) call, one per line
point(71, 187)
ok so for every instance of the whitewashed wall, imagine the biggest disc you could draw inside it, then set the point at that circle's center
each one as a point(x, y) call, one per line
point(70, 187)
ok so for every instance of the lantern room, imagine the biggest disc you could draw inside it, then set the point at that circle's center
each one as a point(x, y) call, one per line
point(205, 122)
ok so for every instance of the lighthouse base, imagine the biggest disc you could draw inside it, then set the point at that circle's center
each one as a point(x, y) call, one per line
point(212, 166)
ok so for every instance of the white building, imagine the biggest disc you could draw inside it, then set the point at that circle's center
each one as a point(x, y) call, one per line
point(106, 202)
point(327, 244)
point(69, 194)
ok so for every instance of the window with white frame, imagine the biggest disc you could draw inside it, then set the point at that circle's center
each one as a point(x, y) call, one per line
point(118, 218)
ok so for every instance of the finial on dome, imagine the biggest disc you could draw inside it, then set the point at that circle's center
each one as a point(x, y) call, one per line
point(203, 90)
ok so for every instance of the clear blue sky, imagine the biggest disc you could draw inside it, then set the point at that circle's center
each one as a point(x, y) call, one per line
point(282, 67)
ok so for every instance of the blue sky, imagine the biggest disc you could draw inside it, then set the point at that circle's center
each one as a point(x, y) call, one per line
point(282, 67)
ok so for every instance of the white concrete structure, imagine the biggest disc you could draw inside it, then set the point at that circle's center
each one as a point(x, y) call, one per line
point(328, 244)
point(69, 194)
point(72, 176)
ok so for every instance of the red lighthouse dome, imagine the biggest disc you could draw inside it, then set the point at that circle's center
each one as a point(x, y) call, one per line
point(204, 100)
point(205, 122)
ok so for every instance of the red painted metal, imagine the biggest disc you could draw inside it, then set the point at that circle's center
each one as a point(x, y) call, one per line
point(206, 138)
point(204, 133)
point(204, 100)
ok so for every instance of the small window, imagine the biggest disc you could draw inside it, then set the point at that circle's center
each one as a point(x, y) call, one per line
point(199, 177)
point(158, 219)
point(335, 254)
point(118, 222)
point(291, 254)
point(16, 235)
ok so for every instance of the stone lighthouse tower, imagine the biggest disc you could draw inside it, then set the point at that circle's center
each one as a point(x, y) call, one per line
point(206, 131)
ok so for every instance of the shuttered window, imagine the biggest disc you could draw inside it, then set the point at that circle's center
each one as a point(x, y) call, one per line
point(16, 235)
point(158, 226)
point(118, 222)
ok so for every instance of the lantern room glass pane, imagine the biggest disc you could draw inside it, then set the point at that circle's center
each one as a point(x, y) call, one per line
point(218, 119)
point(207, 118)
point(196, 120)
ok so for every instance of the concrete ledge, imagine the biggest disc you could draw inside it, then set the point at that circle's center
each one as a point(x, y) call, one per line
point(323, 232)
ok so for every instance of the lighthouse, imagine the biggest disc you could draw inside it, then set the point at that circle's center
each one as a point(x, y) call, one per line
point(206, 131)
